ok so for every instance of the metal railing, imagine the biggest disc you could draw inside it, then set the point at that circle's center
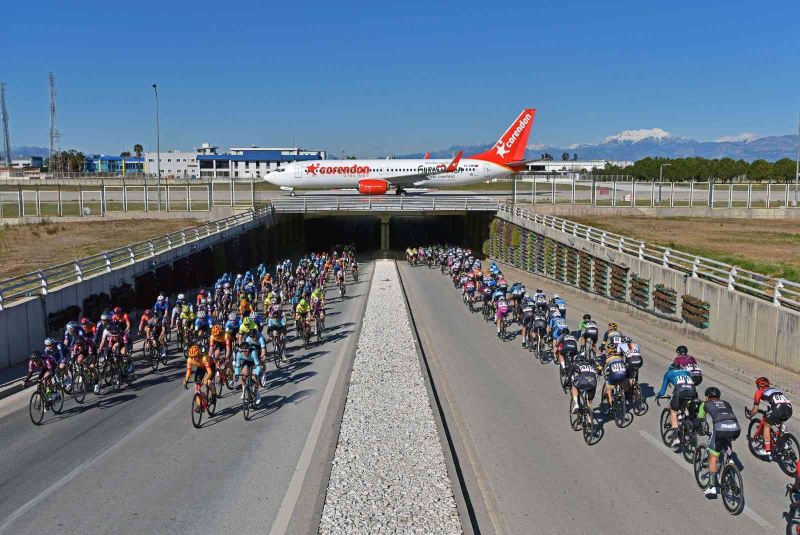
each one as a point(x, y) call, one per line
point(38, 283)
point(780, 291)
point(383, 203)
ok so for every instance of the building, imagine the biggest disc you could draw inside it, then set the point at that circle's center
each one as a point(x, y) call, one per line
point(571, 166)
point(252, 162)
point(113, 165)
point(29, 162)
point(174, 164)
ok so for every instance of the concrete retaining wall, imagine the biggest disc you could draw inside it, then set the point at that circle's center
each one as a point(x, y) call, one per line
point(747, 324)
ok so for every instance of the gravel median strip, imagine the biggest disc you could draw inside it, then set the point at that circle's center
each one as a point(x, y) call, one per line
point(389, 473)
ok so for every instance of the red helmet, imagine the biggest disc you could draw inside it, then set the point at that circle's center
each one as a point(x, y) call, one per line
point(148, 312)
point(762, 382)
point(84, 321)
point(118, 311)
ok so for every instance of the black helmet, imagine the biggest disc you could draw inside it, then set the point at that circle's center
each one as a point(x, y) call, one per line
point(626, 340)
point(681, 350)
point(587, 317)
point(36, 356)
point(713, 392)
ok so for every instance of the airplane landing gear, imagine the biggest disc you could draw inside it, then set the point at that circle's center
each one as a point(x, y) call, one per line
point(291, 193)
point(400, 191)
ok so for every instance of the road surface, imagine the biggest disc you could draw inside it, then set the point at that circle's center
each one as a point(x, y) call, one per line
point(133, 463)
point(531, 472)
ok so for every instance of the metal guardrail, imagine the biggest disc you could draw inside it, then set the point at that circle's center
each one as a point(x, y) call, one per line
point(780, 291)
point(383, 203)
point(38, 283)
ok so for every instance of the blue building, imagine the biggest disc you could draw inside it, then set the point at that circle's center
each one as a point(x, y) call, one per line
point(252, 162)
point(114, 165)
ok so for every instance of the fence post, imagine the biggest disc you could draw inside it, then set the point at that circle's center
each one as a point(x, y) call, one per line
point(573, 191)
point(166, 191)
point(152, 247)
point(786, 197)
point(146, 197)
point(108, 262)
point(78, 271)
point(614, 192)
point(80, 198)
point(633, 193)
point(641, 250)
point(621, 244)
point(60, 206)
point(553, 190)
point(231, 191)
point(183, 237)
point(769, 194)
point(43, 281)
point(672, 194)
point(434, 204)
point(730, 195)
point(188, 194)
point(533, 191)
point(695, 266)
point(665, 258)
point(603, 239)
point(132, 256)
point(711, 194)
point(39, 202)
point(732, 278)
point(252, 193)
point(210, 193)
point(102, 197)
point(776, 296)
point(306, 208)
point(691, 193)
point(19, 201)
point(749, 194)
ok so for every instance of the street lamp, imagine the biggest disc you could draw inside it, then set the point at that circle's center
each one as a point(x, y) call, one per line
point(158, 149)
point(661, 178)
point(797, 168)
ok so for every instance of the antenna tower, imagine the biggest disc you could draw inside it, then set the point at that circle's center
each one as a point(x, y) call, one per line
point(55, 135)
point(6, 136)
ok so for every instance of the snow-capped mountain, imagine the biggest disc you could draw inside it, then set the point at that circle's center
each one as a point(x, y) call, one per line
point(637, 144)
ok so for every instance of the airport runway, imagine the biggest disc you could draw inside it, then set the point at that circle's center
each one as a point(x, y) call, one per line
point(132, 462)
point(530, 473)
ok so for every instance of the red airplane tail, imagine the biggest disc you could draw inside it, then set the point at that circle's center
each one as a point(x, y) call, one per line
point(510, 147)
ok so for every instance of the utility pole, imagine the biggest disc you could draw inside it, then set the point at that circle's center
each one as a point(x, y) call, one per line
point(6, 136)
point(55, 136)
point(158, 149)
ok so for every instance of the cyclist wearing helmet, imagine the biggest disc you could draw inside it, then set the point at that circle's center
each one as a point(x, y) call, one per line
point(589, 331)
point(683, 390)
point(57, 351)
point(122, 319)
point(561, 304)
point(202, 324)
point(206, 369)
point(161, 306)
point(688, 363)
point(46, 366)
point(633, 359)
point(247, 358)
point(779, 410)
point(231, 333)
point(528, 314)
point(724, 430)
point(612, 337)
point(245, 308)
point(541, 299)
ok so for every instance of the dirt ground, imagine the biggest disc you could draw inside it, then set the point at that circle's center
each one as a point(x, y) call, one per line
point(769, 246)
point(25, 248)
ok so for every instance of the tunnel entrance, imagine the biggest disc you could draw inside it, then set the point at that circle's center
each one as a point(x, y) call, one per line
point(365, 232)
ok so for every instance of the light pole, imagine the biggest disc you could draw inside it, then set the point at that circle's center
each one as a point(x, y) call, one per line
point(660, 178)
point(158, 149)
point(797, 168)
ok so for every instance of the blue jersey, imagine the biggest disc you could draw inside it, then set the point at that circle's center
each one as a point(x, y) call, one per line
point(161, 308)
point(557, 323)
point(232, 326)
point(675, 378)
point(498, 294)
point(203, 323)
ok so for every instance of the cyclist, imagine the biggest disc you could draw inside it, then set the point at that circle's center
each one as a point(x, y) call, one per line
point(688, 363)
point(247, 356)
point(301, 311)
point(317, 312)
point(556, 326)
point(46, 366)
point(583, 376)
point(186, 319)
point(161, 306)
point(589, 331)
point(724, 430)
point(779, 410)
point(683, 391)
point(277, 321)
point(202, 325)
point(612, 337)
point(541, 299)
point(57, 351)
point(501, 309)
point(567, 346)
point(633, 360)
point(231, 334)
point(614, 371)
point(206, 369)
point(528, 315)
point(561, 304)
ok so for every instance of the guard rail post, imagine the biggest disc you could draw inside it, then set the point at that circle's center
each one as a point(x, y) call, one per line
point(665, 258)
point(43, 282)
point(152, 247)
point(305, 208)
point(732, 278)
point(108, 262)
point(695, 266)
point(641, 250)
point(183, 237)
point(776, 295)
point(691, 193)
point(131, 255)
point(603, 239)
point(621, 244)
point(434, 204)
point(749, 194)
point(1, 299)
point(78, 271)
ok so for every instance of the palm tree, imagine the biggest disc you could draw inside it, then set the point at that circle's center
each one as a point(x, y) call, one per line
point(138, 150)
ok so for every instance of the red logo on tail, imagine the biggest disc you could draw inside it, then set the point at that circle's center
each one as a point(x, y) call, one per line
point(511, 145)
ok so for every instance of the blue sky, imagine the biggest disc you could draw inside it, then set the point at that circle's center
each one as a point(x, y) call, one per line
point(374, 78)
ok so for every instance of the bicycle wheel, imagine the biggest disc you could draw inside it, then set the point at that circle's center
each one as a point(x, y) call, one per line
point(247, 400)
point(665, 427)
point(57, 404)
point(153, 358)
point(212, 404)
point(263, 380)
point(788, 454)
point(79, 387)
point(117, 382)
point(700, 464)
point(564, 379)
point(688, 442)
point(587, 423)
point(754, 443)
point(197, 410)
point(732, 488)
point(229, 384)
point(164, 354)
point(622, 416)
point(640, 406)
point(36, 408)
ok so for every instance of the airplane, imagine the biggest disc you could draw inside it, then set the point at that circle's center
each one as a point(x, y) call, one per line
point(376, 177)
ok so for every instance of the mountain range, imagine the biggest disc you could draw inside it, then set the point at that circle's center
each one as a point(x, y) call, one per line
point(632, 145)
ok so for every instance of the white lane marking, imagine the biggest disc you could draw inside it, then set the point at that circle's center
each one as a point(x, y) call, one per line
point(748, 512)
point(84, 466)
point(284, 516)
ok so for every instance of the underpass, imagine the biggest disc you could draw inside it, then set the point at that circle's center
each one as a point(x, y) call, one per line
point(527, 467)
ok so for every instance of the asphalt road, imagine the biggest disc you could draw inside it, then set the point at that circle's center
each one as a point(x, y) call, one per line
point(133, 463)
point(530, 473)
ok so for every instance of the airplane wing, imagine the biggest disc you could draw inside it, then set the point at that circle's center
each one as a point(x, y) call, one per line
point(415, 178)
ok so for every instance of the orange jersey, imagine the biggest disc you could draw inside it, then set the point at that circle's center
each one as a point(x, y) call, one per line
point(200, 361)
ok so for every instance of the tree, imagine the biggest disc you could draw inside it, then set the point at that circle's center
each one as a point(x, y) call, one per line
point(125, 154)
point(138, 150)
point(565, 156)
point(574, 156)
point(759, 170)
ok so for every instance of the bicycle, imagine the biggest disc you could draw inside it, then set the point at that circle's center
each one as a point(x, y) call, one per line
point(224, 375)
point(583, 419)
point(248, 395)
point(730, 478)
point(320, 327)
point(688, 430)
point(78, 382)
point(619, 406)
point(637, 401)
point(343, 289)
point(204, 400)
point(41, 400)
point(785, 447)
point(563, 377)
point(278, 350)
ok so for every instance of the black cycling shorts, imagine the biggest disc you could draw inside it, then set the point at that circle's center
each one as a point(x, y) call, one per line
point(527, 320)
point(779, 413)
point(722, 434)
point(590, 336)
point(200, 372)
point(681, 396)
point(540, 327)
point(569, 350)
point(586, 382)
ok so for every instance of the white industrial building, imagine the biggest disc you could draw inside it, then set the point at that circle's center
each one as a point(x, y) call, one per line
point(571, 166)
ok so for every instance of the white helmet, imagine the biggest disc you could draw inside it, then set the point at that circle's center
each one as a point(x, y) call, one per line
point(160, 298)
point(201, 314)
point(556, 296)
point(181, 297)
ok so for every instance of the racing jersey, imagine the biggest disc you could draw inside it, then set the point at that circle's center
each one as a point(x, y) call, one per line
point(718, 410)
point(557, 323)
point(588, 327)
point(688, 363)
point(161, 308)
point(47, 364)
point(303, 307)
point(675, 378)
point(772, 396)
point(203, 324)
point(200, 361)
point(613, 338)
